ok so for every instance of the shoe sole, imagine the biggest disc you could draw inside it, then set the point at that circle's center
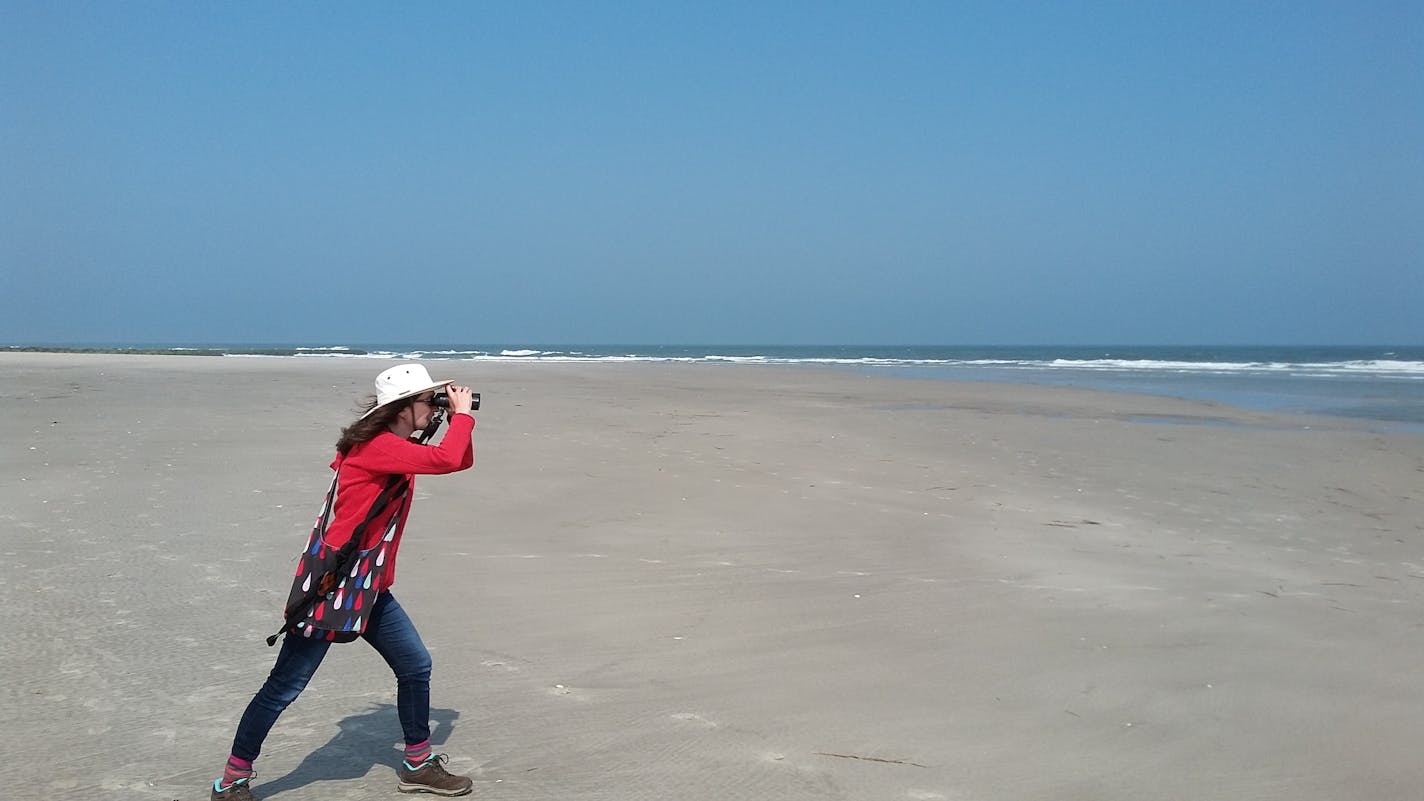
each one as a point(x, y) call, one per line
point(422, 788)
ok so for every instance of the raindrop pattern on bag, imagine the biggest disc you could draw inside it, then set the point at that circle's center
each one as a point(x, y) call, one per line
point(341, 611)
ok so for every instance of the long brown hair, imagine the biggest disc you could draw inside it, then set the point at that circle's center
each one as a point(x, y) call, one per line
point(366, 428)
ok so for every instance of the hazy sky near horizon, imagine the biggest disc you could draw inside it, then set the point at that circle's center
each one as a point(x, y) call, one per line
point(760, 172)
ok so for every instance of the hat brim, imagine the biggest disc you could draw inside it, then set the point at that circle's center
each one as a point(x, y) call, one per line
point(407, 394)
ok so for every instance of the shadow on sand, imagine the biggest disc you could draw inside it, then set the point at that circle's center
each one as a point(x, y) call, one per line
point(363, 740)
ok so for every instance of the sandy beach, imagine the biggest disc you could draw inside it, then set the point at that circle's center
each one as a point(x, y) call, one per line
point(711, 582)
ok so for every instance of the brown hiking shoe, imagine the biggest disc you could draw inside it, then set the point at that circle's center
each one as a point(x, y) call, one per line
point(237, 791)
point(431, 777)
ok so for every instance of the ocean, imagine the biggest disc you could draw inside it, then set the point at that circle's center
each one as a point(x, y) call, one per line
point(1382, 384)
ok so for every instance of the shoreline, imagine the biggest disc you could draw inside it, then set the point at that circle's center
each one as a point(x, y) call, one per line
point(1322, 417)
point(727, 582)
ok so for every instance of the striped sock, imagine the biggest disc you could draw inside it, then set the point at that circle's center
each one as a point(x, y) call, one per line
point(235, 770)
point(415, 755)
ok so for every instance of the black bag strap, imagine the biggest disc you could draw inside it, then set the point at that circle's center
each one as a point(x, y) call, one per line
point(396, 485)
point(346, 554)
point(321, 522)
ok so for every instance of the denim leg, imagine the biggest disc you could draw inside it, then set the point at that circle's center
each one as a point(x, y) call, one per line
point(394, 637)
point(295, 666)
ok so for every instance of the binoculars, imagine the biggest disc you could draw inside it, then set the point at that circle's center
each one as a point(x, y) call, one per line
point(442, 400)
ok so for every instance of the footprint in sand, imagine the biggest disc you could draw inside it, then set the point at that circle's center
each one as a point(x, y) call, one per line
point(690, 716)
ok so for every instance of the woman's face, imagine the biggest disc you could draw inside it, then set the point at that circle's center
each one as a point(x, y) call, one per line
point(421, 410)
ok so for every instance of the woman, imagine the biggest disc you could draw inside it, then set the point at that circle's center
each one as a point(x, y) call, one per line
point(370, 451)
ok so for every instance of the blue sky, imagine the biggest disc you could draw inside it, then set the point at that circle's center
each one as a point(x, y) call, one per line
point(663, 172)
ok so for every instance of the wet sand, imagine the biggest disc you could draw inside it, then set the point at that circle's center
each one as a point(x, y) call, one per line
point(720, 582)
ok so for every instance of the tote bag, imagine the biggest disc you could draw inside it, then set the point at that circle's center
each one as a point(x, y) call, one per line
point(334, 587)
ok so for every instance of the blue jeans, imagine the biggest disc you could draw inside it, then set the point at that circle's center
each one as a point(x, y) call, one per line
point(394, 637)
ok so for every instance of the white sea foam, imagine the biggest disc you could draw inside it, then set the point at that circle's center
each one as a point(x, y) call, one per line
point(1370, 367)
point(1384, 368)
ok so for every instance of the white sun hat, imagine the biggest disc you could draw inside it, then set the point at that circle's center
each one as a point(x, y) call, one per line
point(402, 381)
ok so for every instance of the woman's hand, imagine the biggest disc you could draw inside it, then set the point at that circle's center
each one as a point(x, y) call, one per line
point(461, 399)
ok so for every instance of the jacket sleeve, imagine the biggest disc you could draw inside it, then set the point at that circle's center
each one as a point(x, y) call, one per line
point(391, 454)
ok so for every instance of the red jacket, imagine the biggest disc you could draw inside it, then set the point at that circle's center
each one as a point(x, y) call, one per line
point(365, 470)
